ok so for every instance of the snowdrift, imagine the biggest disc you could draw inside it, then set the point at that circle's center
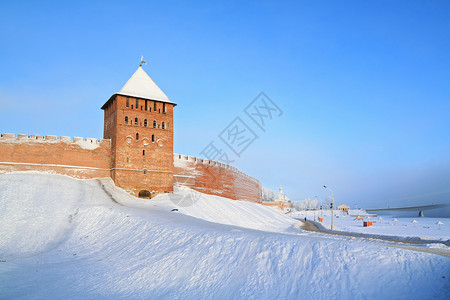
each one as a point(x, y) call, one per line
point(63, 238)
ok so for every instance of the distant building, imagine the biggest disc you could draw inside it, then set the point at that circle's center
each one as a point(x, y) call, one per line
point(343, 207)
point(283, 202)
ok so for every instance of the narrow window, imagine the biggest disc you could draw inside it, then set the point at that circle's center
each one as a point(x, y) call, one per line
point(163, 125)
point(128, 102)
point(126, 120)
point(145, 123)
point(154, 124)
point(141, 107)
point(146, 105)
point(154, 106)
point(159, 110)
point(131, 106)
point(136, 121)
point(137, 103)
point(153, 137)
point(137, 136)
point(164, 108)
point(143, 154)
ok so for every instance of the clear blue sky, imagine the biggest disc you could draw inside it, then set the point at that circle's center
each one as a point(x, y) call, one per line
point(363, 85)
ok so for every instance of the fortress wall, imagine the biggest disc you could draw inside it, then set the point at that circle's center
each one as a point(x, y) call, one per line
point(77, 157)
point(214, 178)
point(90, 158)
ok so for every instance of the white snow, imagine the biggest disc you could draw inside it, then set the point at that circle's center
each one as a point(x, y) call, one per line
point(63, 238)
point(88, 144)
point(226, 211)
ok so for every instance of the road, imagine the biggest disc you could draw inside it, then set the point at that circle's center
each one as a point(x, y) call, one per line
point(381, 240)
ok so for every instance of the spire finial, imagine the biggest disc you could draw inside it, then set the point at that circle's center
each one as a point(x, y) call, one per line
point(143, 62)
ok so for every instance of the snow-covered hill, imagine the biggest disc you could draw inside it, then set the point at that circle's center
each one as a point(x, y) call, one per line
point(63, 238)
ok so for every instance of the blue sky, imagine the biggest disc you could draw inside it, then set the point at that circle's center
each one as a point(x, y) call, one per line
point(363, 85)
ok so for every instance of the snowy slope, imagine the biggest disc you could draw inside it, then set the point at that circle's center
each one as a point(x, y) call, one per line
point(63, 238)
point(226, 211)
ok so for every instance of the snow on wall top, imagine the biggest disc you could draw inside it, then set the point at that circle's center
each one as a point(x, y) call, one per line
point(182, 161)
point(88, 143)
point(140, 85)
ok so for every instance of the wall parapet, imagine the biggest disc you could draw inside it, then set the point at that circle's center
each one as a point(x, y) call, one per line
point(92, 143)
point(197, 160)
point(78, 157)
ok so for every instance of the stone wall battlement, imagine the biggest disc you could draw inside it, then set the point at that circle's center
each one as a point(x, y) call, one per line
point(34, 138)
point(78, 157)
point(215, 178)
point(213, 163)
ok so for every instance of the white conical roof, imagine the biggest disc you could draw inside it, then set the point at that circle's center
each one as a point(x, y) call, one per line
point(140, 85)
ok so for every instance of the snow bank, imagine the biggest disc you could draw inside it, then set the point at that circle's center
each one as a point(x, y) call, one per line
point(36, 212)
point(226, 211)
point(86, 239)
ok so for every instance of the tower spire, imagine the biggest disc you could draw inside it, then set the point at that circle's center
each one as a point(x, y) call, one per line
point(143, 62)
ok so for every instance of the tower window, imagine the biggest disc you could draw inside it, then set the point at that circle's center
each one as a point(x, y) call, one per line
point(136, 121)
point(145, 123)
point(146, 105)
point(153, 137)
point(141, 107)
point(159, 110)
point(163, 125)
point(143, 154)
point(154, 106)
point(154, 124)
point(126, 120)
point(137, 136)
point(128, 102)
point(164, 108)
point(137, 103)
point(131, 106)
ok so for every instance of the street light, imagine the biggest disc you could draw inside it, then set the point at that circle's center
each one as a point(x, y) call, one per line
point(332, 205)
point(315, 209)
point(321, 208)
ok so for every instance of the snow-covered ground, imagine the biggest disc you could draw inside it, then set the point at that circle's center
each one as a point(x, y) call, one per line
point(63, 238)
point(423, 228)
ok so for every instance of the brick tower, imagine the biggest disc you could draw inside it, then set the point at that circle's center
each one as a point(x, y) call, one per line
point(139, 122)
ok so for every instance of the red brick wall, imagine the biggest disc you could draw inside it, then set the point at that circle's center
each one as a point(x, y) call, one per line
point(78, 158)
point(215, 178)
point(87, 158)
point(141, 154)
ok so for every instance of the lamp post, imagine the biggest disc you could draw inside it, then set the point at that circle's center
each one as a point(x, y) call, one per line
point(332, 205)
point(321, 208)
point(315, 208)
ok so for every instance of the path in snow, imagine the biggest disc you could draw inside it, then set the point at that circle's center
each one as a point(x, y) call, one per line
point(311, 226)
